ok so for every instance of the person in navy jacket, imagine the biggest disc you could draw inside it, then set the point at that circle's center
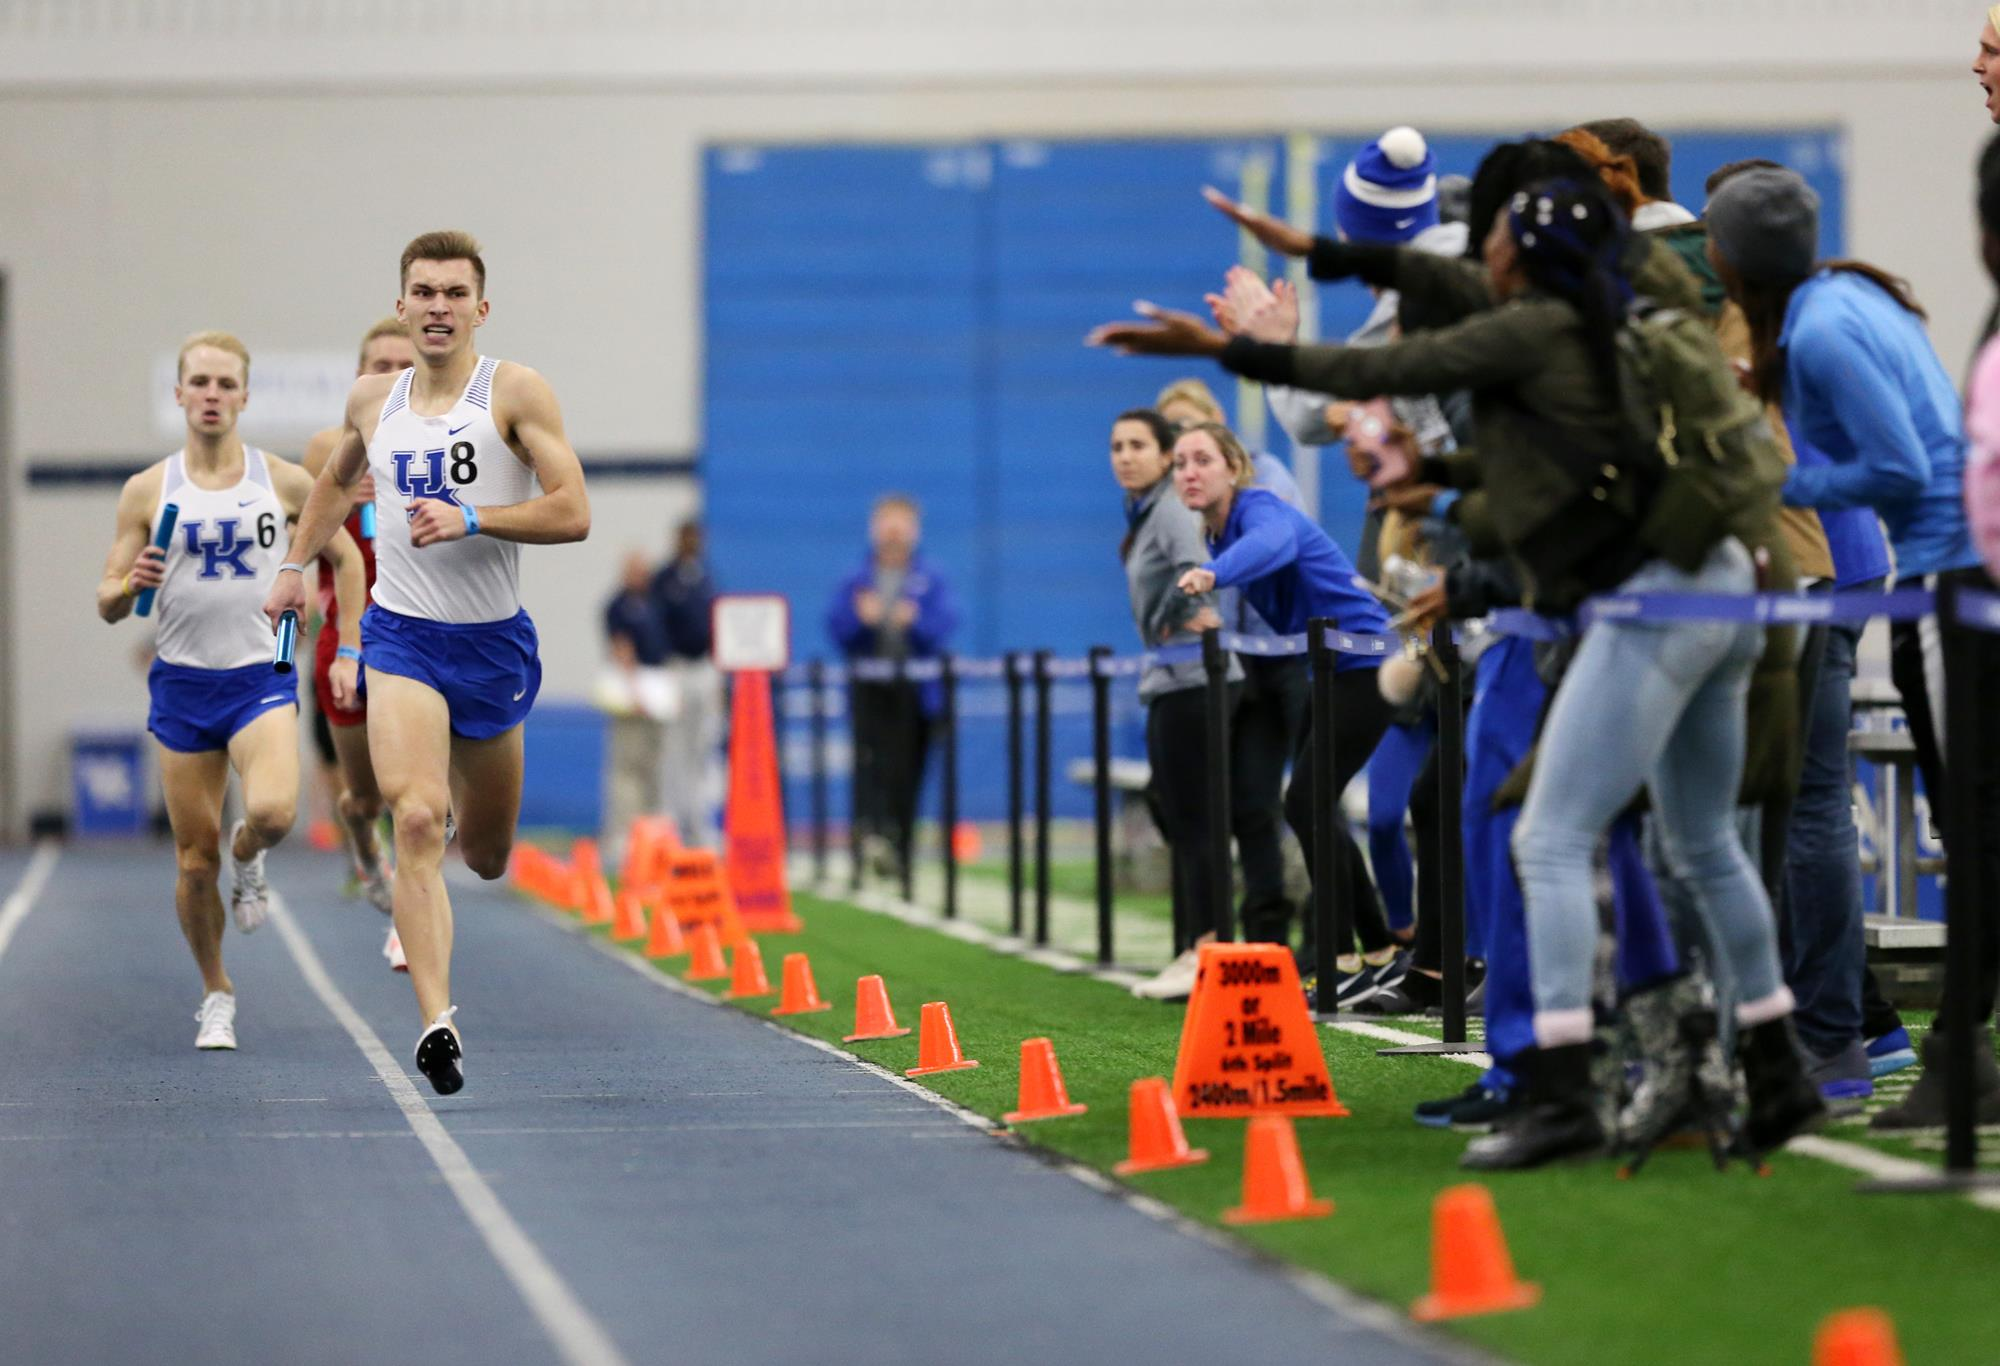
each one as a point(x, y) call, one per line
point(894, 606)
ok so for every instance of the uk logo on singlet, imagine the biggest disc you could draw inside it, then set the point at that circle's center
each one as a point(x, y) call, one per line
point(225, 547)
point(424, 476)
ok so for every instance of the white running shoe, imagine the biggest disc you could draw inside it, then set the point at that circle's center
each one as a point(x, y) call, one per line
point(376, 886)
point(1175, 982)
point(392, 949)
point(450, 825)
point(249, 893)
point(218, 1021)
point(439, 1056)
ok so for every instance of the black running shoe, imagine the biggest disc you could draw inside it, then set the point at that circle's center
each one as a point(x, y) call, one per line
point(439, 1057)
point(1436, 1114)
point(1487, 1111)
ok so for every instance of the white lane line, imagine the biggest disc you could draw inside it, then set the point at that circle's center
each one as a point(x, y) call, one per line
point(577, 1337)
point(22, 899)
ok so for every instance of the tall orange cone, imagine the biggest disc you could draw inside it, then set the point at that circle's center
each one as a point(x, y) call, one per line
point(937, 1043)
point(873, 1017)
point(754, 818)
point(1042, 1093)
point(666, 940)
point(628, 919)
point(1274, 1177)
point(748, 978)
point(1856, 1337)
point(801, 992)
point(705, 955)
point(1157, 1143)
point(1471, 1272)
point(597, 906)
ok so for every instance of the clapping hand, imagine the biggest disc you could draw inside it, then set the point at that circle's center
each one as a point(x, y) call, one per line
point(1248, 307)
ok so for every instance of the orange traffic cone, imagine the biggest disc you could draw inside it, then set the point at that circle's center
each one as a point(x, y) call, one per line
point(666, 940)
point(801, 995)
point(1471, 1272)
point(1274, 1178)
point(705, 955)
point(749, 978)
point(937, 1044)
point(873, 1017)
point(597, 907)
point(628, 921)
point(1857, 1337)
point(1042, 1093)
point(1157, 1143)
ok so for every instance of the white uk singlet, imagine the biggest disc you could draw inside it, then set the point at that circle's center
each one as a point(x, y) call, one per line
point(225, 551)
point(458, 458)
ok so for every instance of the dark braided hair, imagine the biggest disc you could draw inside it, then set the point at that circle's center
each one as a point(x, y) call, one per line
point(1574, 244)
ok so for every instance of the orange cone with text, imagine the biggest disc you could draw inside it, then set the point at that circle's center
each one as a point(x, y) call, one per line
point(1157, 1142)
point(1857, 1337)
point(801, 995)
point(666, 940)
point(873, 1017)
point(748, 978)
point(1042, 1093)
point(937, 1043)
point(753, 848)
point(1274, 1176)
point(1471, 1271)
point(628, 919)
point(705, 955)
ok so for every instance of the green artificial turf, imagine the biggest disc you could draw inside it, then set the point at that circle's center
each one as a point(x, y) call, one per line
point(1679, 1265)
point(1077, 880)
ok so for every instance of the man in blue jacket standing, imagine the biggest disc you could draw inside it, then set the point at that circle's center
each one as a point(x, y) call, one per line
point(894, 607)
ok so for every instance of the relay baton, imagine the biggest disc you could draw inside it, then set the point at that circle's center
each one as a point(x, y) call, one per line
point(368, 520)
point(169, 514)
point(288, 641)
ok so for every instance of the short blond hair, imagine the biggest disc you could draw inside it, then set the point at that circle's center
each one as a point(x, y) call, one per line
point(451, 244)
point(1242, 469)
point(391, 326)
point(221, 341)
point(1190, 391)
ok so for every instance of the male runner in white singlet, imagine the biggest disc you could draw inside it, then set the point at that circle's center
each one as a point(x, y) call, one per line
point(216, 701)
point(456, 446)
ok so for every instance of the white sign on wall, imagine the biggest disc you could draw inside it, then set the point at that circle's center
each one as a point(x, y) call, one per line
point(752, 632)
point(292, 393)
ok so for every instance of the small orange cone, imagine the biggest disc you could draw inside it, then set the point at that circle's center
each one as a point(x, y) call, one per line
point(873, 1017)
point(1157, 1143)
point(666, 940)
point(1042, 1093)
point(597, 906)
point(749, 978)
point(628, 920)
point(1274, 1178)
point(1471, 1272)
point(801, 992)
point(705, 955)
point(937, 1043)
point(1856, 1337)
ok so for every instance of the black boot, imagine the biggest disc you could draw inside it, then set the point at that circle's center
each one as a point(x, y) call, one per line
point(1783, 1100)
point(1923, 1107)
point(1557, 1120)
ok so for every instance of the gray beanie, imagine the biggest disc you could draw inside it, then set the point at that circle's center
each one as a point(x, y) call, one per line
point(1765, 223)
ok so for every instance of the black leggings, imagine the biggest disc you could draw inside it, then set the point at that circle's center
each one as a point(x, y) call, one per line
point(1277, 698)
point(1177, 748)
point(891, 742)
point(1360, 715)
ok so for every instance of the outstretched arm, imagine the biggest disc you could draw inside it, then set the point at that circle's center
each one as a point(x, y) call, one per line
point(525, 410)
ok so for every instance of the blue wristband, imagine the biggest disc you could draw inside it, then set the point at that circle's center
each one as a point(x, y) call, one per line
point(348, 652)
point(471, 518)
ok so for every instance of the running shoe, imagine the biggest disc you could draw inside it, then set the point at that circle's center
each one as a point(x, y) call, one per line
point(1371, 979)
point(439, 1056)
point(249, 893)
point(1891, 1052)
point(1436, 1114)
point(450, 824)
point(392, 949)
point(375, 882)
point(1487, 1111)
point(1844, 1078)
point(218, 1021)
point(1175, 982)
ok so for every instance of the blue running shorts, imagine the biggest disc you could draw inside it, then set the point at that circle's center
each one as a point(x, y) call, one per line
point(488, 672)
point(197, 710)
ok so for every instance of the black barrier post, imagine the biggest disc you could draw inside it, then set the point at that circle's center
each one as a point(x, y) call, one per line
point(1014, 869)
point(1221, 883)
point(948, 796)
point(906, 850)
point(1042, 691)
point(816, 680)
point(1100, 790)
point(853, 787)
point(1326, 806)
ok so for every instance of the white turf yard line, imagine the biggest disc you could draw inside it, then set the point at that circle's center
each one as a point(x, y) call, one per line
point(577, 1337)
point(1383, 1318)
point(1402, 1037)
point(22, 899)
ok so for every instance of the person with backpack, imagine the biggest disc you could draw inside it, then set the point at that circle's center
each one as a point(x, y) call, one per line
point(1578, 488)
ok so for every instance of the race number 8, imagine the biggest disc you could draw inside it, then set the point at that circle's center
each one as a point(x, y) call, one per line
point(463, 468)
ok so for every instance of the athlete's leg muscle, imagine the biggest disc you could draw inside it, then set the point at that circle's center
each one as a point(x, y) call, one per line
point(486, 796)
point(265, 754)
point(194, 785)
point(409, 736)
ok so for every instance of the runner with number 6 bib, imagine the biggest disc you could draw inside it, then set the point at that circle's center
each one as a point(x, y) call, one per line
point(457, 446)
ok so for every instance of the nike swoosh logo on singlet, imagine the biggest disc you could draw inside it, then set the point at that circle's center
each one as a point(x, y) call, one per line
point(521, 694)
point(246, 502)
point(456, 430)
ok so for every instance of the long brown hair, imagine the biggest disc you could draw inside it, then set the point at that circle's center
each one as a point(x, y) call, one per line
point(1619, 173)
point(1764, 304)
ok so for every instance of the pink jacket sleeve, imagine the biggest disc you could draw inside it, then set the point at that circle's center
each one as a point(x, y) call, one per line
point(1982, 461)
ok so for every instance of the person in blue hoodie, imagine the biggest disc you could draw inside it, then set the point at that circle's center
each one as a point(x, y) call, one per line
point(895, 606)
point(1841, 346)
point(1290, 571)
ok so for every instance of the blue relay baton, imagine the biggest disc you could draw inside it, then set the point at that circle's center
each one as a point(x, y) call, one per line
point(368, 521)
point(288, 641)
point(169, 514)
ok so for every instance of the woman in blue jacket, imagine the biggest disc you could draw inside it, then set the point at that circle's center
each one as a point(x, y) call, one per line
point(1290, 571)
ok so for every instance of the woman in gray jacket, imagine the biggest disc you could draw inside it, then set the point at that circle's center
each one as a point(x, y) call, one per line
point(1162, 542)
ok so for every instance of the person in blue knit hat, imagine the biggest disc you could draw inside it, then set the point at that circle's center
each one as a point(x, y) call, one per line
point(1389, 192)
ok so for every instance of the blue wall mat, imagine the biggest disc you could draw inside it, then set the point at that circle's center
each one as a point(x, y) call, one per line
point(563, 750)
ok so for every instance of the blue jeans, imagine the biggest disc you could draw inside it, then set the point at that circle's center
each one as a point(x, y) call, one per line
point(1392, 774)
point(1826, 954)
point(1507, 698)
point(1659, 704)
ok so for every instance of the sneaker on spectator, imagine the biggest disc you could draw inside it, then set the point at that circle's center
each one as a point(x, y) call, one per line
point(1844, 1078)
point(1436, 1114)
point(1483, 1113)
point(1891, 1052)
point(1175, 982)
